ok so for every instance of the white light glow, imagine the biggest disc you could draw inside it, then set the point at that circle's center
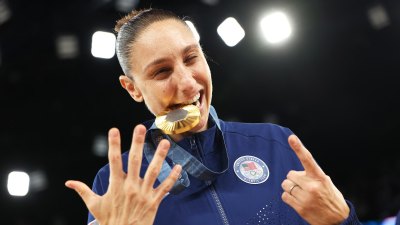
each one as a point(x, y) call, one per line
point(100, 146)
point(193, 29)
point(67, 46)
point(230, 31)
point(378, 16)
point(125, 5)
point(103, 45)
point(276, 27)
point(18, 183)
point(5, 12)
point(389, 221)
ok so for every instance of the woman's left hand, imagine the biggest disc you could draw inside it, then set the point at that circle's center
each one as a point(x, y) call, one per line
point(311, 192)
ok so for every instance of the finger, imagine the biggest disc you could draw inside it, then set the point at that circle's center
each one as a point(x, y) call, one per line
point(136, 152)
point(291, 201)
point(114, 154)
point(298, 177)
point(287, 185)
point(294, 189)
point(305, 157)
point(169, 182)
point(155, 165)
point(87, 195)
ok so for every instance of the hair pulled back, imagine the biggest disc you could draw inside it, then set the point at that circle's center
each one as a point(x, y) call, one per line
point(130, 27)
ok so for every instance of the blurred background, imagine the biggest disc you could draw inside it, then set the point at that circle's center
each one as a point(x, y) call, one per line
point(328, 70)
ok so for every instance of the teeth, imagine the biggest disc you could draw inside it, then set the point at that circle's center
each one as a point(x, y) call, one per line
point(193, 100)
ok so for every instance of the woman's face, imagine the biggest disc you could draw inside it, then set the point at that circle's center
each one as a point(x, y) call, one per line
point(169, 70)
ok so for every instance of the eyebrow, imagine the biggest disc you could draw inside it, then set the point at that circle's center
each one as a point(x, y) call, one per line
point(161, 60)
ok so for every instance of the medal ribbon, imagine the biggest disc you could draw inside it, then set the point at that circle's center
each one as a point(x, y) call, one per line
point(178, 155)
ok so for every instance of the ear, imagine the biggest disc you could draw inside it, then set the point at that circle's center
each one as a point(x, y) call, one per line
point(129, 85)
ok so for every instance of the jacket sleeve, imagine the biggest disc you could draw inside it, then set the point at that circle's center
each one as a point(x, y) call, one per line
point(352, 219)
point(100, 181)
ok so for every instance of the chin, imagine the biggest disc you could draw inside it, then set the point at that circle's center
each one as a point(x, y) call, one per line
point(202, 126)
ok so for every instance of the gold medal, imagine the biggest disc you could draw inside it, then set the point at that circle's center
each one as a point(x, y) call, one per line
point(179, 120)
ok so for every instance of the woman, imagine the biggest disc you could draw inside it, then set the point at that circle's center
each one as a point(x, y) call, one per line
point(233, 173)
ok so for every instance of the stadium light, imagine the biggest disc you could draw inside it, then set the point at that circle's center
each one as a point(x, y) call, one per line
point(18, 183)
point(67, 46)
point(100, 145)
point(230, 31)
point(378, 16)
point(276, 27)
point(5, 12)
point(125, 5)
point(103, 45)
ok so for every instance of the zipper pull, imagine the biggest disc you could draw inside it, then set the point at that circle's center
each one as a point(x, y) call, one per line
point(192, 143)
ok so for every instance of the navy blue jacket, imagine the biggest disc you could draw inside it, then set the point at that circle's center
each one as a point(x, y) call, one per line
point(228, 199)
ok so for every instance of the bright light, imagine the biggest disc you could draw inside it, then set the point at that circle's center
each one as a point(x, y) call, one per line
point(67, 46)
point(126, 5)
point(389, 221)
point(18, 183)
point(276, 27)
point(193, 29)
point(378, 16)
point(100, 145)
point(5, 12)
point(103, 45)
point(230, 31)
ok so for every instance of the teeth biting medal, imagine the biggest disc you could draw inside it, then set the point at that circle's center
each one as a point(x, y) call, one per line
point(179, 120)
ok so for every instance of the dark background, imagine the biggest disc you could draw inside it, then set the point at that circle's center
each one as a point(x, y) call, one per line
point(335, 83)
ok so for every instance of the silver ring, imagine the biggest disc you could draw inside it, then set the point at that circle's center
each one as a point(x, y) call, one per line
point(291, 189)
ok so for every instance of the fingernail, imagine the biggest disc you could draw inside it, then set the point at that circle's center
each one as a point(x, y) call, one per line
point(68, 184)
point(113, 132)
point(139, 131)
point(177, 168)
point(164, 144)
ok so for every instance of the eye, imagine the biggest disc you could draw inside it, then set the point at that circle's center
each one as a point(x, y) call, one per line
point(190, 59)
point(163, 71)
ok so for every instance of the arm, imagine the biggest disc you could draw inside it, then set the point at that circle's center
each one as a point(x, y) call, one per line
point(129, 199)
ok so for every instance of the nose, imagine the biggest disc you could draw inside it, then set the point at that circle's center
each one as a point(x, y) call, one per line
point(186, 82)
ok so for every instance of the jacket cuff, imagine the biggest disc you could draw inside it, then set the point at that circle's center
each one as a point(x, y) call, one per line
point(352, 219)
point(94, 222)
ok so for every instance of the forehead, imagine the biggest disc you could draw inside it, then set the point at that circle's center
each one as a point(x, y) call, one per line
point(169, 28)
point(167, 37)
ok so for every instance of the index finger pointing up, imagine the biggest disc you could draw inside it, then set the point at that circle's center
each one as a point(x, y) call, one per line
point(310, 165)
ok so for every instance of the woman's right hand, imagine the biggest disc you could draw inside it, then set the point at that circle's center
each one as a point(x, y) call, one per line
point(129, 199)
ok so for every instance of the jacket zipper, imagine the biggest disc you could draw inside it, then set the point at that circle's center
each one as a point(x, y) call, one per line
point(211, 187)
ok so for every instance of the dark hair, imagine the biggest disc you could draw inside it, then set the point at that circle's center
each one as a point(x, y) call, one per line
point(130, 27)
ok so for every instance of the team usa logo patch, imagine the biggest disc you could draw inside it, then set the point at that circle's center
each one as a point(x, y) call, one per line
point(251, 169)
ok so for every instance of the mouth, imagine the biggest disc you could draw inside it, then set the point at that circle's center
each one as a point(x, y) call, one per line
point(196, 101)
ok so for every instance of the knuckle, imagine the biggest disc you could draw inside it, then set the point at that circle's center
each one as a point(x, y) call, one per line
point(167, 186)
point(327, 178)
point(314, 188)
point(130, 191)
point(161, 152)
point(284, 197)
point(115, 157)
point(291, 174)
point(153, 172)
point(302, 210)
point(285, 184)
point(135, 160)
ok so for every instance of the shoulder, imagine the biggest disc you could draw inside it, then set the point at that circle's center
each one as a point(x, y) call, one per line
point(268, 131)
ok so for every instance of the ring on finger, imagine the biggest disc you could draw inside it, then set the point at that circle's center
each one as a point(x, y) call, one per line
point(291, 189)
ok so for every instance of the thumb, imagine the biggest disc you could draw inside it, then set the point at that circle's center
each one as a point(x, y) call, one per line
point(87, 195)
